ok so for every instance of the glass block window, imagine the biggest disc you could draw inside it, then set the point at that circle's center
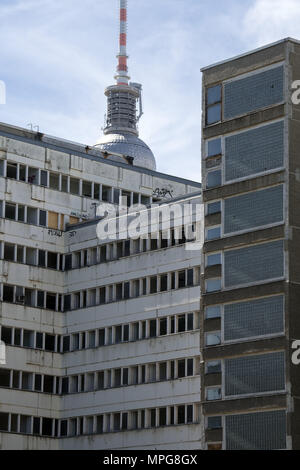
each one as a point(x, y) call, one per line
point(254, 264)
point(254, 318)
point(254, 374)
point(255, 151)
point(213, 311)
point(256, 431)
point(254, 209)
point(253, 92)
point(214, 147)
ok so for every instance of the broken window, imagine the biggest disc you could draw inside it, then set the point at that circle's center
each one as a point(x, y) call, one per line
point(39, 340)
point(40, 299)
point(181, 368)
point(190, 367)
point(64, 183)
point(153, 285)
point(54, 181)
point(96, 191)
point(28, 339)
point(42, 258)
point(52, 260)
point(48, 383)
point(21, 213)
point(8, 293)
point(87, 189)
point(29, 297)
point(26, 381)
point(36, 425)
point(38, 382)
point(106, 193)
point(152, 328)
point(66, 343)
point(22, 173)
point(117, 377)
point(11, 170)
point(10, 211)
point(4, 378)
point(190, 321)
point(51, 301)
point(33, 175)
point(20, 254)
point(6, 335)
point(9, 252)
point(102, 337)
point(25, 424)
point(47, 427)
point(43, 218)
point(181, 414)
point(126, 290)
point(125, 332)
point(31, 256)
point(162, 416)
point(74, 186)
point(44, 178)
point(49, 342)
point(32, 215)
point(163, 326)
point(181, 279)
point(181, 323)
point(163, 282)
point(163, 371)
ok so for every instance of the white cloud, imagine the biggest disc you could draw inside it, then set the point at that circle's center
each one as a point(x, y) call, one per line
point(271, 20)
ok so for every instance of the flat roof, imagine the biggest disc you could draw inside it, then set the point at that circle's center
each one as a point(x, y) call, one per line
point(250, 52)
point(81, 150)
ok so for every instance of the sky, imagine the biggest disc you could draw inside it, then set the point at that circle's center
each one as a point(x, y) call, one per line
point(58, 56)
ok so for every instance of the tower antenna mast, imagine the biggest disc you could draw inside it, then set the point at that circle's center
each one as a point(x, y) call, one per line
point(122, 77)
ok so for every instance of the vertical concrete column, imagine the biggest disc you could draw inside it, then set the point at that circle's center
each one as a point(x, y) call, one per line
point(147, 328)
point(147, 419)
point(156, 417)
point(175, 369)
point(168, 415)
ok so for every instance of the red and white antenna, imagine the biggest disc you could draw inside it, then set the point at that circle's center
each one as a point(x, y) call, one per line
point(122, 69)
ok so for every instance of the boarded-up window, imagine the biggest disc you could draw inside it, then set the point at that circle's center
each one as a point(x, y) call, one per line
point(73, 220)
point(53, 220)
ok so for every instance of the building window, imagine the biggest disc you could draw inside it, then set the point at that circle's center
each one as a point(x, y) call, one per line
point(213, 207)
point(214, 147)
point(213, 367)
point(213, 260)
point(213, 311)
point(213, 393)
point(213, 104)
point(213, 339)
point(214, 422)
point(213, 233)
point(213, 179)
point(213, 285)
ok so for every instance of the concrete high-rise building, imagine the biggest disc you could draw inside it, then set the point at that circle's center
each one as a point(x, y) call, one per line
point(101, 336)
point(250, 285)
point(150, 341)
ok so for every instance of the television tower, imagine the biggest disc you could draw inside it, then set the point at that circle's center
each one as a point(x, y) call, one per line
point(124, 109)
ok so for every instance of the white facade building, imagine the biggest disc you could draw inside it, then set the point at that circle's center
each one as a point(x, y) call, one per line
point(102, 337)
